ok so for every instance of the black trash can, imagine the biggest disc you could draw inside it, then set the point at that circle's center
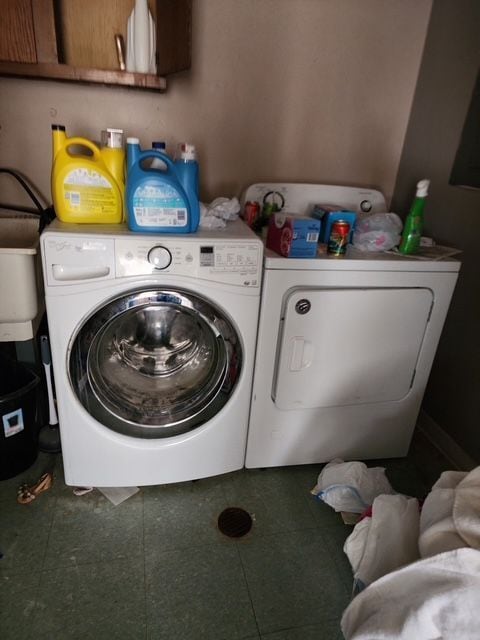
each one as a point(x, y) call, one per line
point(18, 418)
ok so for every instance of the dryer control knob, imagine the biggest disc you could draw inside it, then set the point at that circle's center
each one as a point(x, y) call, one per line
point(366, 206)
point(159, 257)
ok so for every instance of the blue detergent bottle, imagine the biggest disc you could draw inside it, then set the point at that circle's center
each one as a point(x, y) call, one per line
point(186, 163)
point(188, 173)
point(159, 200)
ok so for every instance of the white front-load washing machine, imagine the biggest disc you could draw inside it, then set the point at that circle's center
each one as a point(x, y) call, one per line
point(153, 341)
point(345, 344)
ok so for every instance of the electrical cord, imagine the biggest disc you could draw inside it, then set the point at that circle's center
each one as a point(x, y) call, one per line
point(46, 214)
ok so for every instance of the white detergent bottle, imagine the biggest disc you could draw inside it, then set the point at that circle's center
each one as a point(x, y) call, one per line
point(141, 40)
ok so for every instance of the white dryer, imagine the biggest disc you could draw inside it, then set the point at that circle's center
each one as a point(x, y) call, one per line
point(153, 341)
point(345, 345)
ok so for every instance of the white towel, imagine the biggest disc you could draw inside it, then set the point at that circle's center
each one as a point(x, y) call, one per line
point(451, 514)
point(437, 598)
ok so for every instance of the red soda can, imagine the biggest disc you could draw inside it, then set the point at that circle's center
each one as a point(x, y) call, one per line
point(337, 244)
point(251, 212)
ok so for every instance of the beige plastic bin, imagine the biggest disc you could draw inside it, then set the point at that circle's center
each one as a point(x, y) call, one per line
point(21, 288)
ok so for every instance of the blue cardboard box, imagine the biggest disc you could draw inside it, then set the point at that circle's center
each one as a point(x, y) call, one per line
point(328, 214)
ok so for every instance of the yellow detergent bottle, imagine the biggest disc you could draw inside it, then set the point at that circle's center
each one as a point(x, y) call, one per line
point(88, 188)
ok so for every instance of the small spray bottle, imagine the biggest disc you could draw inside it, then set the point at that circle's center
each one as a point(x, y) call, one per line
point(412, 231)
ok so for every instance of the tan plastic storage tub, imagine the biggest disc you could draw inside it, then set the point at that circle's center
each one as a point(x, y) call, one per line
point(21, 287)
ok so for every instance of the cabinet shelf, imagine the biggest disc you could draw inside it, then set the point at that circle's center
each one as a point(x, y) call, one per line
point(68, 73)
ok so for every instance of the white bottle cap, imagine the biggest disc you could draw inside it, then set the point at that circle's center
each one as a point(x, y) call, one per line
point(133, 141)
point(422, 188)
point(112, 138)
point(187, 151)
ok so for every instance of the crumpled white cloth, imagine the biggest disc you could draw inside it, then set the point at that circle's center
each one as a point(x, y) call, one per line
point(450, 516)
point(437, 598)
point(220, 210)
point(385, 541)
point(351, 486)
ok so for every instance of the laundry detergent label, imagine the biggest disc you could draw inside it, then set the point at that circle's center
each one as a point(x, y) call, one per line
point(13, 423)
point(88, 191)
point(159, 206)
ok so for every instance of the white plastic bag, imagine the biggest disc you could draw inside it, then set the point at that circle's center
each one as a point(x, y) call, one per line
point(378, 232)
point(226, 208)
point(209, 220)
point(351, 486)
point(385, 541)
point(220, 210)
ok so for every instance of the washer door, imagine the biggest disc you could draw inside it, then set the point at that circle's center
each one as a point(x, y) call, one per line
point(155, 363)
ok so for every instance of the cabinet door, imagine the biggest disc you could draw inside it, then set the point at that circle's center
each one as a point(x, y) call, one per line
point(88, 30)
point(17, 35)
point(349, 346)
point(27, 31)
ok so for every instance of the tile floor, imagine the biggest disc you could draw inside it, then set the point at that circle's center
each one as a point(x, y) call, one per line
point(157, 567)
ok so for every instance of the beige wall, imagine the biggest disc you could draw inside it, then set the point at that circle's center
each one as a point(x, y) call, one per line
point(297, 90)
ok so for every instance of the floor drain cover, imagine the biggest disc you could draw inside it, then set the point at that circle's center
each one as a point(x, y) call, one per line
point(234, 522)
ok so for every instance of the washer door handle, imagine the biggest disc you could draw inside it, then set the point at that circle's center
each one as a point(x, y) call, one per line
point(65, 273)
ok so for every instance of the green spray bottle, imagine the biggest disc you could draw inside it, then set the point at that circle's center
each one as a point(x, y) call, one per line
point(412, 231)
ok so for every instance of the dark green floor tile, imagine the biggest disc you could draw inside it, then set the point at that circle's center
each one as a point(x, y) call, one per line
point(90, 602)
point(334, 539)
point(90, 529)
point(271, 482)
point(292, 580)
point(198, 594)
point(17, 604)
point(306, 475)
point(274, 498)
point(24, 531)
point(330, 630)
point(325, 516)
point(181, 515)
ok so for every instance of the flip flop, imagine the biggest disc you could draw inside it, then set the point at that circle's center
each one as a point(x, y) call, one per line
point(26, 494)
point(81, 491)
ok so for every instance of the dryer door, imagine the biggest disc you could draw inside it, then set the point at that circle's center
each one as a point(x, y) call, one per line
point(155, 363)
point(349, 346)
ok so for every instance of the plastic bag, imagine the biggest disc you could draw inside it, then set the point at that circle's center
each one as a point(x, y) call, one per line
point(209, 220)
point(214, 215)
point(226, 208)
point(386, 541)
point(351, 486)
point(378, 232)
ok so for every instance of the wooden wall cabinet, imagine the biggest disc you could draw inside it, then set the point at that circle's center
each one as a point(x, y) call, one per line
point(74, 40)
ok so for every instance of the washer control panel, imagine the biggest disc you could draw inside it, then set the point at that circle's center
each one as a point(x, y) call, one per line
point(237, 262)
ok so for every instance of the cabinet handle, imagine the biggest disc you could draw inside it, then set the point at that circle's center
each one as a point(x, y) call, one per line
point(119, 43)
